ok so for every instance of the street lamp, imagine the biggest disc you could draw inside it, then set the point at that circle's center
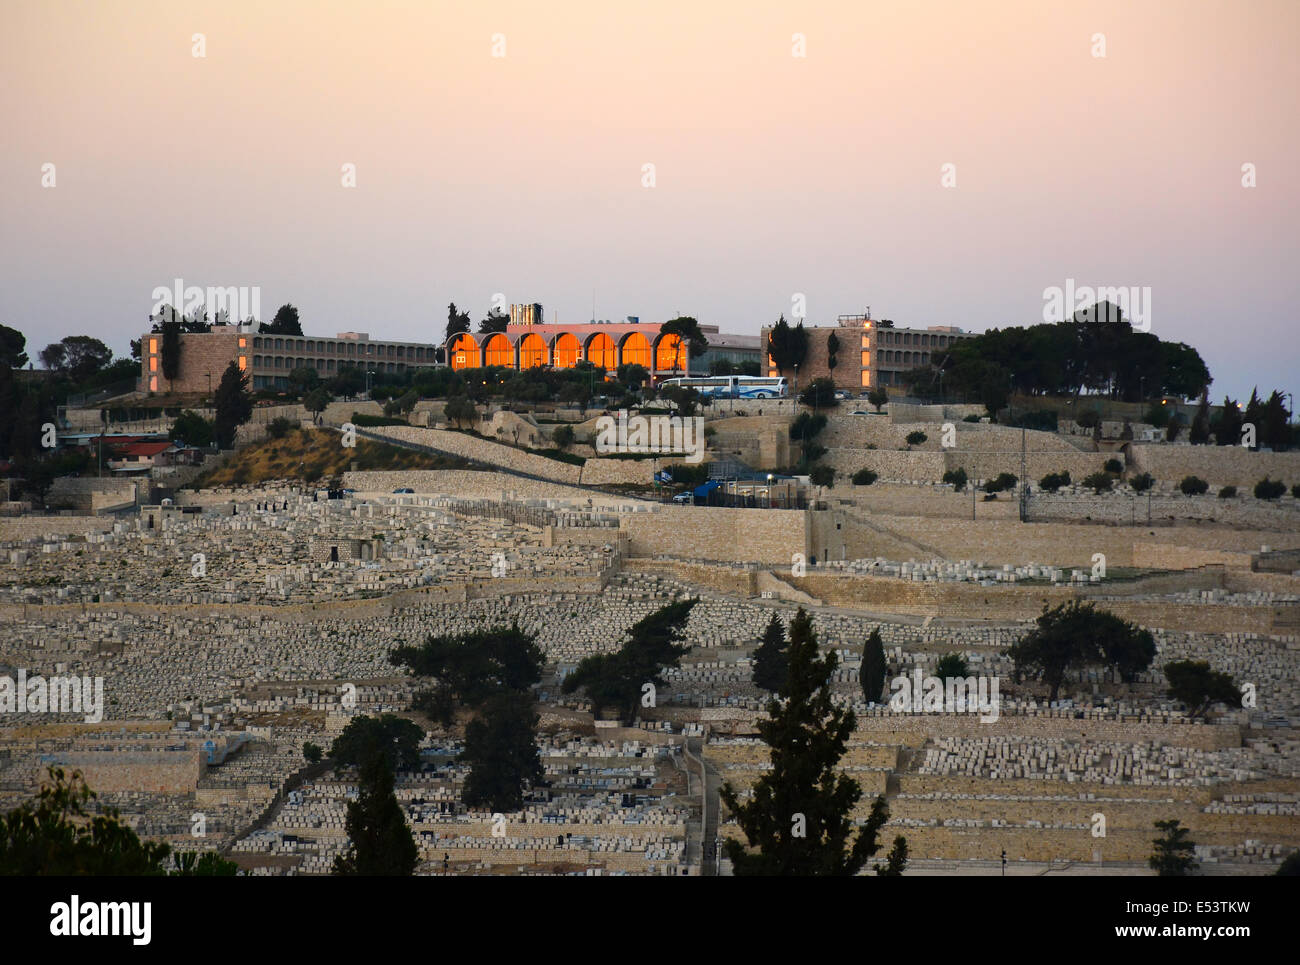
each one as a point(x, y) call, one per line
point(769, 490)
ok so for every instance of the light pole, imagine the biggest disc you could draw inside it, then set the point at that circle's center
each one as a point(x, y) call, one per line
point(769, 490)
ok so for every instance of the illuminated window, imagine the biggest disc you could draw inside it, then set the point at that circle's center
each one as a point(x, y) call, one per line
point(866, 379)
point(153, 346)
point(153, 383)
point(866, 341)
point(153, 364)
point(243, 341)
point(243, 362)
point(866, 360)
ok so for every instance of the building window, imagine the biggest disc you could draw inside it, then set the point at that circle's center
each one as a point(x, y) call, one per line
point(866, 360)
point(866, 379)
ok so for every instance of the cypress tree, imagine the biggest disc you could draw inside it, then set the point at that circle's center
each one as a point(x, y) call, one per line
point(874, 668)
point(799, 818)
point(771, 660)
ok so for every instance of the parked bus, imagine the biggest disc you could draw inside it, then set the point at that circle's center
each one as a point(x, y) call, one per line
point(734, 386)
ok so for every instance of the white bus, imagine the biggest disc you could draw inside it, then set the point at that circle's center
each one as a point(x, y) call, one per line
point(734, 386)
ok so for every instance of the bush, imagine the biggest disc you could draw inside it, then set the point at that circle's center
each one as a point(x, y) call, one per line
point(279, 427)
point(1269, 488)
point(1193, 486)
point(916, 438)
point(820, 394)
point(970, 418)
point(1099, 482)
point(1003, 482)
point(807, 425)
point(1295, 490)
point(864, 477)
point(365, 420)
point(821, 475)
point(1089, 420)
point(1114, 466)
point(1142, 482)
point(1054, 481)
point(1227, 492)
point(957, 477)
point(563, 436)
point(1158, 416)
point(1044, 420)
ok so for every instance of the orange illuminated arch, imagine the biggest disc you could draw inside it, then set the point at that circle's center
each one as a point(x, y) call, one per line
point(600, 351)
point(464, 353)
point(669, 353)
point(636, 350)
point(566, 350)
point(532, 351)
point(497, 350)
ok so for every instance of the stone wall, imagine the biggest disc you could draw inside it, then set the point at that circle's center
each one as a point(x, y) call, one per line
point(1217, 465)
point(471, 447)
point(742, 535)
point(18, 528)
point(610, 472)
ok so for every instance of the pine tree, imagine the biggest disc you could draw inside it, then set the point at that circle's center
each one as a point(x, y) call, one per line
point(501, 749)
point(771, 659)
point(895, 861)
point(1173, 857)
point(799, 815)
point(382, 843)
point(872, 674)
point(234, 405)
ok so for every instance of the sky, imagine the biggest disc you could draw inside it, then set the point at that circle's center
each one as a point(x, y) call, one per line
point(798, 149)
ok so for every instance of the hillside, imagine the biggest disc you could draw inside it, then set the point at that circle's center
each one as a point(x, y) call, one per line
point(315, 455)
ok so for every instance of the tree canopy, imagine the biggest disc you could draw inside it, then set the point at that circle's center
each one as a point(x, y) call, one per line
point(1075, 635)
point(616, 679)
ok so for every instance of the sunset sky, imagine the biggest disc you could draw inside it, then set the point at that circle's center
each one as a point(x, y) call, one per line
point(774, 174)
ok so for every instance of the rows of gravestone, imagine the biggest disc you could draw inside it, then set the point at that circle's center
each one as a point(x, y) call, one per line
point(300, 551)
point(575, 820)
point(1103, 762)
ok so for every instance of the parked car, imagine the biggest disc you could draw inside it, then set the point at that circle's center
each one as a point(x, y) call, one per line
point(686, 497)
point(404, 489)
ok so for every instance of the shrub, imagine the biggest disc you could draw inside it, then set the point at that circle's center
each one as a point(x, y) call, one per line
point(1114, 466)
point(951, 665)
point(1269, 488)
point(957, 477)
point(1295, 490)
point(821, 475)
point(1193, 486)
point(278, 427)
point(1227, 492)
point(1089, 420)
point(563, 436)
point(1044, 420)
point(864, 477)
point(970, 418)
point(1142, 482)
point(1003, 482)
point(916, 438)
point(1054, 481)
point(1099, 482)
point(806, 425)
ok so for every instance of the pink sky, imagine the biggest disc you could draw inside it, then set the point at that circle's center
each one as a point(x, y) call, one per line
point(775, 174)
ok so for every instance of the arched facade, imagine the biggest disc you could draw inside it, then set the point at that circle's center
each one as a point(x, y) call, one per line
point(601, 351)
point(497, 350)
point(533, 352)
point(670, 353)
point(464, 353)
point(635, 350)
point(566, 350)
